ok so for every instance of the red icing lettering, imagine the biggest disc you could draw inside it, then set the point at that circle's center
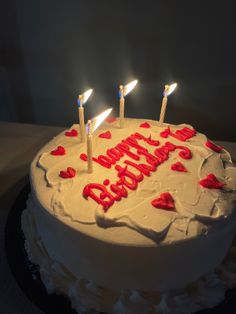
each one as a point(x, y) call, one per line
point(128, 178)
point(114, 154)
point(141, 167)
point(165, 133)
point(164, 201)
point(59, 151)
point(124, 173)
point(213, 146)
point(178, 166)
point(149, 140)
point(185, 152)
point(104, 161)
point(161, 154)
point(105, 198)
point(152, 142)
point(211, 182)
point(124, 148)
point(106, 135)
point(131, 141)
point(68, 173)
point(151, 159)
point(183, 134)
point(145, 125)
point(71, 133)
point(119, 191)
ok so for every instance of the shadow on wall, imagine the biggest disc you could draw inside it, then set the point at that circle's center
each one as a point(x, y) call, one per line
point(15, 100)
point(70, 46)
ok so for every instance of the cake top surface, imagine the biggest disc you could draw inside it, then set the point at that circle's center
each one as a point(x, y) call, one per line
point(150, 184)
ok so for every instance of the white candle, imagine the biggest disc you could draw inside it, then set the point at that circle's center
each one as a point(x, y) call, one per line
point(81, 120)
point(124, 91)
point(92, 125)
point(89, 148)
point(167, 91)
point(122, 106)
point(82, 99)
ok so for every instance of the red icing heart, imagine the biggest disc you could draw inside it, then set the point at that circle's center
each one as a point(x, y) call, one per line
point(71, 133)
point(145, 125)
point(165, 133)
point(178, 166)
point(165, 201)
point(83, 157)
point(111, 119)
point(211, 182)
point(106, 134)
point(106, 182)
point(68, 173)
point(59, 151)
point(213, 146)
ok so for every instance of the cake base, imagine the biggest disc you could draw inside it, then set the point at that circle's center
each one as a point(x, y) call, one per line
point(205, 293)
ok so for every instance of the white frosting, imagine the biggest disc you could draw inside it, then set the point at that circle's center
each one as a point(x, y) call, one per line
point(196, 207)
point(87, 297)
point(112, 261)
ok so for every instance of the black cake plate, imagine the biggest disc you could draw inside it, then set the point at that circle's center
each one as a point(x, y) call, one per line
point(28, 278)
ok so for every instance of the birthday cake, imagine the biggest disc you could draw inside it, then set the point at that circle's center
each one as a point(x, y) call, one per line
point(146, 231)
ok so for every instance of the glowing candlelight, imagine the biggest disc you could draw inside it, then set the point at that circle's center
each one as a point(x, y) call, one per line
point(91, 126)
point(82, 99)
point(167, 91)
point(124, 91)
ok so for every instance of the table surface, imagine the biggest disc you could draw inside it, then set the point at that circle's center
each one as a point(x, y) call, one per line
point(18, 145)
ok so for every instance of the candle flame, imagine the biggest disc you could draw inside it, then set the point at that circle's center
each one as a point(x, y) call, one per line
point(97, 121)
point(169, 89)
point(82, 99)
point(129, 87)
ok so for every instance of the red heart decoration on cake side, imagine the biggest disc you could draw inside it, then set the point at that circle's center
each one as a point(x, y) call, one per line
point(145, 125)
point(68, 173)
point(211, 182)
point(59, 151)
point(178, 166)
point(164, 201)
point(71, 133)
point(106, 135)
point(111, 119)
point(213, 146)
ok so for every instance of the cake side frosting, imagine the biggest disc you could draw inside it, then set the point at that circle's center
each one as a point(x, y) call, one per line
point(184, 160)
point(86, 295)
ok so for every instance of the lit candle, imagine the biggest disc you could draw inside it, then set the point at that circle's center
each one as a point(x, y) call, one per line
point(91, 126)
point(124, 90)
point(167, 91)
point(89, 147)
point(81, 101)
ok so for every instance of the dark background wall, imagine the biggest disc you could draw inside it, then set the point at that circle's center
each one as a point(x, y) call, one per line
point(51, 50)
